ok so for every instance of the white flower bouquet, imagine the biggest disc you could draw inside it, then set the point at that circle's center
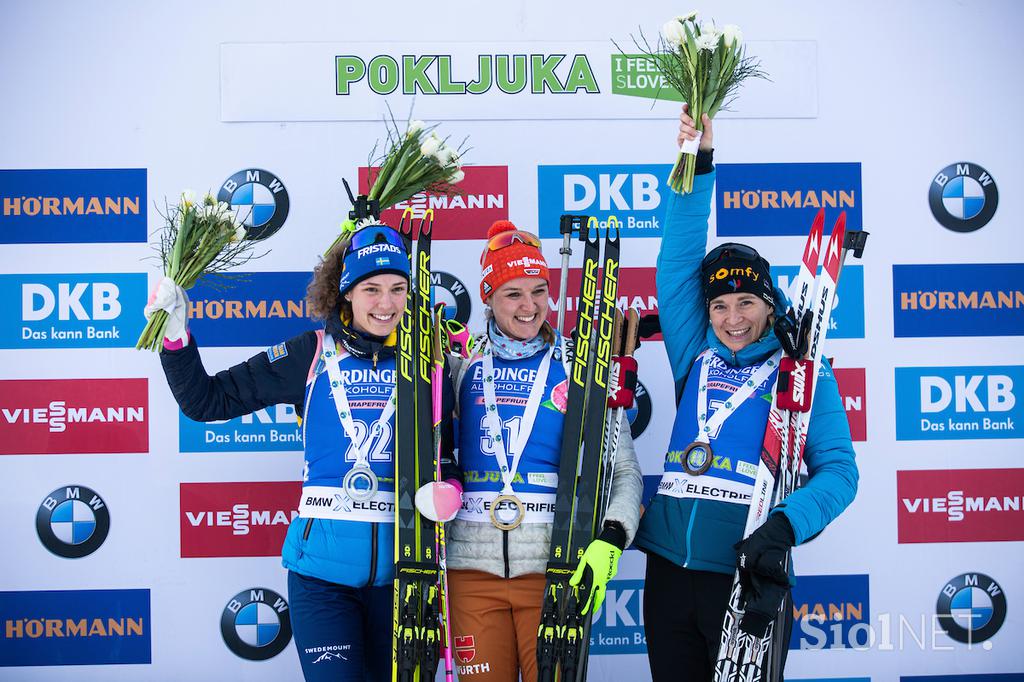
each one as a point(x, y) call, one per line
point(706, 66)
point(197, 239)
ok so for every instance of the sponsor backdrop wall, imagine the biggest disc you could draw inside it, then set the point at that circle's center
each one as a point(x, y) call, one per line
point(139, 545)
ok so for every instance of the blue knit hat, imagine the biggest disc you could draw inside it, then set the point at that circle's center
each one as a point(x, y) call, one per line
point(373, 250)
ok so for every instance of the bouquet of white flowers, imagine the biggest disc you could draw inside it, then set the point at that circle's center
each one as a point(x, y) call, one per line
point(706, 66)
point(197, 239)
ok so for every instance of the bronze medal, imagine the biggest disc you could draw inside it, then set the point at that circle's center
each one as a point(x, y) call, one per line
point(697, 458)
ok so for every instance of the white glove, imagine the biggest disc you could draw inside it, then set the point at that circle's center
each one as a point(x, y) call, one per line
point(170, 297)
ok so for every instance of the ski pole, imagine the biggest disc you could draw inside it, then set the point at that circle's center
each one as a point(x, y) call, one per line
point(436, 383)
point(567, 224)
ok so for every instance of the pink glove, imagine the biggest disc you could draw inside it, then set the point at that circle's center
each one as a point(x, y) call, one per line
point(439, 501)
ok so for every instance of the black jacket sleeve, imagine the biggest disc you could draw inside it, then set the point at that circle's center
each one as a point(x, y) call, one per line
point(248, 386)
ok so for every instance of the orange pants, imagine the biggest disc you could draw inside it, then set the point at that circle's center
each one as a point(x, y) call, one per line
point(494, 625)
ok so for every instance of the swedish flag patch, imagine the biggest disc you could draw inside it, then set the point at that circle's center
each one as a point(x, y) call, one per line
point(277, 352)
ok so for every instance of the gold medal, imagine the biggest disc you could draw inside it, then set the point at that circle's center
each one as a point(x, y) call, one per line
point(507, 512)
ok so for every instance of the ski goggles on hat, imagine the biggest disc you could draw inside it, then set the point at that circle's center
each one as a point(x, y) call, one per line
point(503, 239)
point(730, 250)
point(373, 234)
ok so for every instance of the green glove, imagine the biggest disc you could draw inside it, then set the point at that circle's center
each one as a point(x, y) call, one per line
point(603, 559)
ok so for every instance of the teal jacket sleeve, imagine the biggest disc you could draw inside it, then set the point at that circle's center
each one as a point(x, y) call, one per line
point(680, 301)
point(831, 464)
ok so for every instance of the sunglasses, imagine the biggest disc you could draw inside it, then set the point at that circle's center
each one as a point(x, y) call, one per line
point(741, 251)
point(373, 234)
point(503, 239)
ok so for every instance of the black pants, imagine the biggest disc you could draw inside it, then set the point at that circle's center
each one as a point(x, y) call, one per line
point(683, 612)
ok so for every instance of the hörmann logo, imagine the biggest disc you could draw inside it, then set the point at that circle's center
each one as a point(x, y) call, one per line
point(633, 193)
point(272, 429)
point(985, 299)
point(259, 309)
point(72, 206)
point(71, 416)
point(758, 199)
point(236, 519)
point(853, 392)
point(831, 612)
point(482, 199)
point(436, 74)
point(75, 627)
point(72, 311)
point(950, 403)
point(965, 505)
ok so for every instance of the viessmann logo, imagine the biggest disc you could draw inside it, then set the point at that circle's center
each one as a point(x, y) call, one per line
point(236, 519)
point(853, 392)
point(72, 311)
point(40, 206)
point(757, 199)
point(482, 199)
point(257, 309)
point(966, 505)
point(950, 403)
point(985, 299)
point(637, 289)
point(75, 627)
point(70, 416)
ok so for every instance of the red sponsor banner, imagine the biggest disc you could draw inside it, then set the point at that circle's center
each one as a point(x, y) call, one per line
point(853, 392)
point(73, 416)
point(236, 519)
point(483, 199)
point(962, 505)
point(636, 289)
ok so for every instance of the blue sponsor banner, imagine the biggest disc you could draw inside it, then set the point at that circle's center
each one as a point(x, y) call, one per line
point(847, 321)
point(985, 299)
point(618, 626)
point(829, 679)
point(250, 309)
point(830, 612)
point(72, 206)
point(75, 627)
point(985, 677)
point(761, 199)
point(634, 193)
point(72, 310)
point(953, 403)
point(273, 429)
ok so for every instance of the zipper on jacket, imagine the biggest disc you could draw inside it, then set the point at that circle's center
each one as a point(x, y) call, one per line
point(305, 533)
point(373, 554)
point(504, 550)
point(375, 359)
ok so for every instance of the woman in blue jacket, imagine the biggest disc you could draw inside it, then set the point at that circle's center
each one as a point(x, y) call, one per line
point(719, 339)
point(341, 380)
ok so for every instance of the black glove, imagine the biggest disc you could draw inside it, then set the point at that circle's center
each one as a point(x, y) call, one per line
point(761, 560)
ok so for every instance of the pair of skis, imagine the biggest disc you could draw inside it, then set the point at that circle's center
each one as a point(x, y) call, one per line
point(743, 657)
point(420, 615)
point(562, 636)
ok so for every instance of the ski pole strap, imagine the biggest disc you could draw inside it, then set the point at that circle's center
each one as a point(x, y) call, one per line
point(707, 427)
point(622, 388)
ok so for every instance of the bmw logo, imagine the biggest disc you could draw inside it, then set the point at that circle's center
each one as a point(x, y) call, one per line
point(255, 624)
point(73, 521)
point(971, 608)
point(963, 197)
point(259, 200)
point(450, 290)
point(640, 414)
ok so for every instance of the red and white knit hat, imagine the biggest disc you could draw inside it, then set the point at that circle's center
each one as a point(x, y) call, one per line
point(518, 259)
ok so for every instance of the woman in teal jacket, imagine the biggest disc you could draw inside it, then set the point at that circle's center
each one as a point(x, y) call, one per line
point(717, 312)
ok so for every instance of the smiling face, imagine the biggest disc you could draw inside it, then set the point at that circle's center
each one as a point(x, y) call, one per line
point(738, 319)
point(378, 303)
point(520, 307)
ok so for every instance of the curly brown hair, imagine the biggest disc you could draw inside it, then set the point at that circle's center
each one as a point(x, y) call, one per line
point(323, 300)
